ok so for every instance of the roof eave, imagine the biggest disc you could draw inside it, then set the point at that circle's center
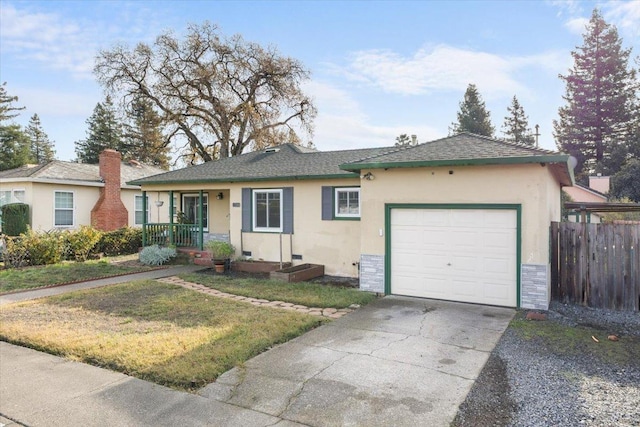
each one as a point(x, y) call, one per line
point(357, 167)
point(245, 179)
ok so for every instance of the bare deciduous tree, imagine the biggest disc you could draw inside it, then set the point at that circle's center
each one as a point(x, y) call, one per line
point(221, 94)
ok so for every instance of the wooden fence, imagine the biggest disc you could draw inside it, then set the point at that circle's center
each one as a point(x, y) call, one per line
point(597, 265)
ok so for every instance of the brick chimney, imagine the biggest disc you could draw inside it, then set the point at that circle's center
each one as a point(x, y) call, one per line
point(109, 212)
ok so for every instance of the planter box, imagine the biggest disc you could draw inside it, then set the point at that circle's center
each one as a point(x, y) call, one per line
point(298, 273)
point(257, 266)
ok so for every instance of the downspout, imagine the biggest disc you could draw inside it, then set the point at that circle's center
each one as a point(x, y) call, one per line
point(171, 241)
point(200, 222)
point(144, 219)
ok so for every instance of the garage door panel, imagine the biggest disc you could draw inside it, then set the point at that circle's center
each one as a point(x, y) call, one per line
point(458, 254)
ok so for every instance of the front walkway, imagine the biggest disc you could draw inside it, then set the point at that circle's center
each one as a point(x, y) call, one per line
point(89, 284)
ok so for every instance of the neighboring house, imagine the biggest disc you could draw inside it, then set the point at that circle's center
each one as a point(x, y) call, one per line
point(66, 195)
point(580, 193)
point(463, 218)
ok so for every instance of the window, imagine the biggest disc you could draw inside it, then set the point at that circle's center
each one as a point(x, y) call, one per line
point(190, 209)
point(138, 210)
point(12, 196)
point(267, 210)
point(347, 202)
point(63, 209)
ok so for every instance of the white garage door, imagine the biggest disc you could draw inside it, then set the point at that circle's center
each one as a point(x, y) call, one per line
point(466, 255)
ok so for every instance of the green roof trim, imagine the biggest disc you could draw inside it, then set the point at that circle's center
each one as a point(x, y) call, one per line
point(562, 158)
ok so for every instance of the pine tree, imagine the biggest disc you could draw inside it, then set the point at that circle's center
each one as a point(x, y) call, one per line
point(143, 139)
point(516, 125)
point(473, 116)
point(41, 148)
point(105, 131)
point(595, 123)
point(6, 104)
point(14, 147)
point(14, 144)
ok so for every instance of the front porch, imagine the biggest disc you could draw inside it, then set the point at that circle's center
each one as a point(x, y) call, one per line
point(192, 218)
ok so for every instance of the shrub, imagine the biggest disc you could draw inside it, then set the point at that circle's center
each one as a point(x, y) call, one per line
point(33, 248)
point(220, 250)
point(15, 218)
point(15, 253)
point(82, 241)
point(123, 241)
point(155, 255)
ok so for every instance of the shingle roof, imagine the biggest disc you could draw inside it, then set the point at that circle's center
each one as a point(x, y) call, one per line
point(289, 161)
point(81, 172)
point(283, 162)
point(453, 150)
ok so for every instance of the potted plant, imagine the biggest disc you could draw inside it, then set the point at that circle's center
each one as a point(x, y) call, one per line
point(221, 252)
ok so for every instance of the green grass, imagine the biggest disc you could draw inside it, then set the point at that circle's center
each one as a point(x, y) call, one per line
point(309, 294)
point(154, 331)
point(34, 277)
point(576, 340)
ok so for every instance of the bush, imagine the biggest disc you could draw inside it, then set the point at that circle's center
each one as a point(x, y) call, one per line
point(33, 248)
point(155, 255)
point(123, 241)
point(220, 250)
point(15, 254)
point(15, 218)
point(81, 242)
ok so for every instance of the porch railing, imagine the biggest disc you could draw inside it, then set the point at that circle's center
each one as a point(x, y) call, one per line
point(179, 235)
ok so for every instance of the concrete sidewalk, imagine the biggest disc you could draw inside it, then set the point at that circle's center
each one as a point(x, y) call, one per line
point(38, 389)
point(57, 290)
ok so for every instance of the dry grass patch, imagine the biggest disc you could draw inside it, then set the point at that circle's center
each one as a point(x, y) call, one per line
point(158, 332)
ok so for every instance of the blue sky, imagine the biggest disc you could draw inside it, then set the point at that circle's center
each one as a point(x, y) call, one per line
point(378, 68)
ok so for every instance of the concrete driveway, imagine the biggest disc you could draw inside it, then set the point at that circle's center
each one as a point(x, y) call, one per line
point(399, 361)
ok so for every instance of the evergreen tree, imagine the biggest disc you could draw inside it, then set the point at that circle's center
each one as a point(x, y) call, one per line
point(516, 125)
point(143, 139)
point(41, 148)
point(105, 131)
point(6, 104)
point(14, 144)
point(473, 115)
point(14, 147)
point(594, 124)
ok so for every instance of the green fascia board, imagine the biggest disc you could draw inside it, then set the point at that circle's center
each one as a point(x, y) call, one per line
point(356, 167)
point(247, 179)
point(498, 206)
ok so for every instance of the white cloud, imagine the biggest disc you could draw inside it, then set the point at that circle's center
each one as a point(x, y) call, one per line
point(341, 124)
point(576, 25)
point(443, 68)
point(47, 38)
point(626, 17)
point(67, 43)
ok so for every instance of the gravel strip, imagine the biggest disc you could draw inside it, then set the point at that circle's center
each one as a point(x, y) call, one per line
point(531, 383)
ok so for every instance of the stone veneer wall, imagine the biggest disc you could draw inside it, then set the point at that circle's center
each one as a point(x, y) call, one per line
point(372, 273)
point(533, 286)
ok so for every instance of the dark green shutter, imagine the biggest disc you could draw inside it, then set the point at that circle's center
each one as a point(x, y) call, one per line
point(246, 209)
point(327, 203)
point(287, 210)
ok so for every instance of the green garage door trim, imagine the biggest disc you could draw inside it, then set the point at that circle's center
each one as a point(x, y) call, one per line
point(387, 244)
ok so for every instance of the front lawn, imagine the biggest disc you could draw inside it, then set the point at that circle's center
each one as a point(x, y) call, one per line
point(33, 277)
point(303, 293)
point(157, 332)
